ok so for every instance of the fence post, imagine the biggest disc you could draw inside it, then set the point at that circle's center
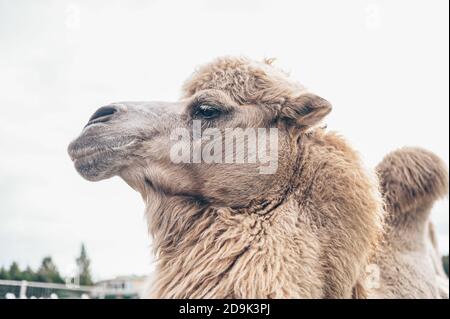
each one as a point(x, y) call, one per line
point(23, 290)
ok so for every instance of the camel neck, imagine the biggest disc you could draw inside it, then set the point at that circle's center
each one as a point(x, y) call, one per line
point(224, 254)
point(283, 249)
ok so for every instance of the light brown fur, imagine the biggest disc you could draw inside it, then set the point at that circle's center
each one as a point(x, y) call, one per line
point(311, 238)
point(302, 247)
point(412, 179)
point(224, 231)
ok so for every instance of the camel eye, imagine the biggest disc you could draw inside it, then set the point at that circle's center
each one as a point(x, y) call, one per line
point(207, 111)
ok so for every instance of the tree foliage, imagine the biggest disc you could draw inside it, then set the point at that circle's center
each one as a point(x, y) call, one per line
point(83, 264)
point(48, 272)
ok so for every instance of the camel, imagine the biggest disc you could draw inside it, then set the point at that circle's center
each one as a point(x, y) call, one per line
point(307, 230)
point(411, 179)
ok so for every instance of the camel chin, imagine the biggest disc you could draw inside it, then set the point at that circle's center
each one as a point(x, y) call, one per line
point(97, 156)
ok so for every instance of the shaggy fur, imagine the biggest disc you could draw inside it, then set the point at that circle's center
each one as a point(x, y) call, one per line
point(225, 231)
point(412, 179)
point(311, 237)
point(298, 244)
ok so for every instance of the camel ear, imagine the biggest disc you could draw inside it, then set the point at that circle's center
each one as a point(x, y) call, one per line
point(306, 110)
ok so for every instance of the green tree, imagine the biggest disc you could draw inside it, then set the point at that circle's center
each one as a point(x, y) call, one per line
point(14, 272)
point(48, 272)
point(29, 275)
point(83, 264)
point(4, 274)
point(445, 261)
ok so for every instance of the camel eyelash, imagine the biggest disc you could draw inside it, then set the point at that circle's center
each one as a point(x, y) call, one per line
point(207, 111)
point(203, 109)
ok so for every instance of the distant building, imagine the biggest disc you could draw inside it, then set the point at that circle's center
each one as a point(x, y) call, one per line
point(122, 287)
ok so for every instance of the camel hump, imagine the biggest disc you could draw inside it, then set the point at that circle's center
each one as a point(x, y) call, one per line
point(411, 178)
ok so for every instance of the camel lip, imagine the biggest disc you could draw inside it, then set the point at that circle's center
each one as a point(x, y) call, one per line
point(77, 152)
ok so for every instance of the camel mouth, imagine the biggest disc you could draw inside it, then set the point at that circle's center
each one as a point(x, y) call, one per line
point(94, 164)
point(98, 158)
point(79, 154)
point(85, 153)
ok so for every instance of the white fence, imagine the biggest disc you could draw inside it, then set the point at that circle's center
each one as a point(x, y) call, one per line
point(12, 289)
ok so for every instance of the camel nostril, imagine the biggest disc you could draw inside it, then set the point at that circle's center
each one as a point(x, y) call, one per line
point(102, 112)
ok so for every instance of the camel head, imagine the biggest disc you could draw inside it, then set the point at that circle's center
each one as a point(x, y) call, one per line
point(182, 148)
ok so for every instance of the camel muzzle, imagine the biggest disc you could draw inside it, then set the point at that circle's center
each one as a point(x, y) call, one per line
point(113, 132)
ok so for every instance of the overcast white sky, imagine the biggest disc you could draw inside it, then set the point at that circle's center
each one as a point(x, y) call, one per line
point(383, 65)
